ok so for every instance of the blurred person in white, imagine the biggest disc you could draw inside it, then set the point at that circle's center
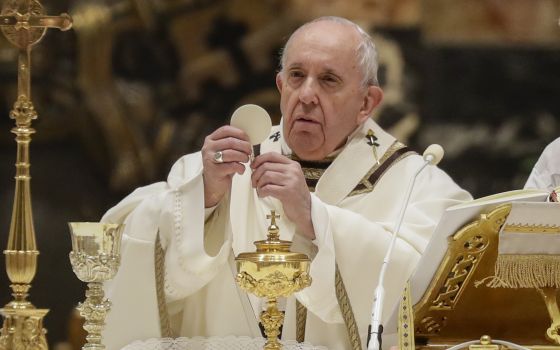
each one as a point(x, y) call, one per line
point(338, 180)
point(546, 172)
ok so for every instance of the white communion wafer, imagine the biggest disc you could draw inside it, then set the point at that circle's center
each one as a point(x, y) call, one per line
point(254, 120)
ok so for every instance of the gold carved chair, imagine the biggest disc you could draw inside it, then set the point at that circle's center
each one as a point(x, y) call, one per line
point(455, 308)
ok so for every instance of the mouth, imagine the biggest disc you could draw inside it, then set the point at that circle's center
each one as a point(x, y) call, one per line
point(304, 119)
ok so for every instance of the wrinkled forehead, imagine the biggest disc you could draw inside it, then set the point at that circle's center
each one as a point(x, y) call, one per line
point(327, 37)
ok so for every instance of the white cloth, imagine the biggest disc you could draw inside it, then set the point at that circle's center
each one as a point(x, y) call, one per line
point(546, 172)
point(532, 240)
point(201, 294)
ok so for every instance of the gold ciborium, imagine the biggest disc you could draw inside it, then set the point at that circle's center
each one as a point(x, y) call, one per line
point(95, 258)
point(273, 271)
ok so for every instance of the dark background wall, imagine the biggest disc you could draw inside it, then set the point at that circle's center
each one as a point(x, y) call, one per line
point(137, 84)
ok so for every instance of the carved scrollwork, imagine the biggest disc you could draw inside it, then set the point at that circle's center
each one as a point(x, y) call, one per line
point(432, 325)
point(274, 284)
point(553, 333)
point(465, 252)
point(272, 320)
point(23, 333)
point(23, 111)
point(94, 311)
point(447, 297)
point(94, 268)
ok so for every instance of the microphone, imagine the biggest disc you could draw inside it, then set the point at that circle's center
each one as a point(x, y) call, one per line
point(432, 156)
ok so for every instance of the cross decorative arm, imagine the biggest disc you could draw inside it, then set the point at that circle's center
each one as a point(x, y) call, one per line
point(273, 216)
point(24, 24)
point(26, 21)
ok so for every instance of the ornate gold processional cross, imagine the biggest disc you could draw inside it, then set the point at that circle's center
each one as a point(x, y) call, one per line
point(24, 24)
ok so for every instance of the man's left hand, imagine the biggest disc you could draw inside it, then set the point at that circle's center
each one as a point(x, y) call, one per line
point(282, 178)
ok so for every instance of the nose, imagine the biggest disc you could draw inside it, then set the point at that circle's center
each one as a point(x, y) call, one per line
point(308, 92)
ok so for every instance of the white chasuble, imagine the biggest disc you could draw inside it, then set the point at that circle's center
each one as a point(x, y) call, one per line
point(352, 219)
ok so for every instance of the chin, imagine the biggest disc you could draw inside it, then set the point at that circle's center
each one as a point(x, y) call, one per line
point(307, 146)
point(306, 153)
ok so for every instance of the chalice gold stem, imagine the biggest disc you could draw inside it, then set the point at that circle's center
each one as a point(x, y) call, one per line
point(272, 319)
point(94, 309)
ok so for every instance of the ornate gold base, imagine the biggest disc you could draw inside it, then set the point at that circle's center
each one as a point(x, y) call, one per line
point(23, 328)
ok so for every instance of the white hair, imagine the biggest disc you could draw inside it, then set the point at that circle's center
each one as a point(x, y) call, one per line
point(366, 51)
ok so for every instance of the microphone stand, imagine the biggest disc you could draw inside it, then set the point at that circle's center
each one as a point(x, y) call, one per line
point(375, 330)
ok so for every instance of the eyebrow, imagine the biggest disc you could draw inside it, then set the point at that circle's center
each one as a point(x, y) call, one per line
point(298, 65)
point(294, 65)
point(332, 71)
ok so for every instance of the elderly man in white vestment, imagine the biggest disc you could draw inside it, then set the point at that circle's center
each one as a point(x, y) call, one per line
point(338, 181)
point(546, 172)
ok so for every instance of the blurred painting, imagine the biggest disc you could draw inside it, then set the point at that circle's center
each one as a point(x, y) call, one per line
point(492, 22)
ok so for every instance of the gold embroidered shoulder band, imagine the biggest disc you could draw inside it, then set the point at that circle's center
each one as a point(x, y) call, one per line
point(396, 152)
point(312, 172)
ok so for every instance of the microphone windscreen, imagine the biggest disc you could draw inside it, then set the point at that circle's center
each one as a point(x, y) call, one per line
point(433, 154)
point(254, 120)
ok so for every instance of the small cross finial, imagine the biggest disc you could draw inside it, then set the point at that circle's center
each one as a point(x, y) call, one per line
point(273, 216)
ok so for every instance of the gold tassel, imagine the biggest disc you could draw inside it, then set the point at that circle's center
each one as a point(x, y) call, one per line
point(524, 271)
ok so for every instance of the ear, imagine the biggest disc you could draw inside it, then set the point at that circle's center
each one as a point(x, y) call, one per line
point(279, 81)
point(372, 99)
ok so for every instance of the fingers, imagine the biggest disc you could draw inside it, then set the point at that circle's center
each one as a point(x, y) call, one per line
point(268, 173)
point(231, 155)
point(228, 137)
point(271, 190)
point(271, 157)
point(275, 169)
point(229, 131)
point(231, 168)
point(226, 146)
point(232, 163)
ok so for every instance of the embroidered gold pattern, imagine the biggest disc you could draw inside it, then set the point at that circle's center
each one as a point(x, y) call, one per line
point(312, 174)
point(396, 152)
point(301, 321)
point(159, 258)
point(466, 249)
point(406, 321)
point(312, 170)
point(529, 228)
point(347, 313)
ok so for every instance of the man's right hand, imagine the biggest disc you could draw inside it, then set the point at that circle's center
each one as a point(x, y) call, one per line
point(235, 149)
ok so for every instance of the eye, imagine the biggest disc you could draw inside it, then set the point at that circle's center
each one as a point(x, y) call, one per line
point(295, 74)
point(330, 80)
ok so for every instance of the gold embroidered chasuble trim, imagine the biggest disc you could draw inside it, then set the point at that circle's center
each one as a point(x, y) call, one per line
point(406, 319)
point(396, 152)
point(313, 172)
point(301, 320)
point(347, 312)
